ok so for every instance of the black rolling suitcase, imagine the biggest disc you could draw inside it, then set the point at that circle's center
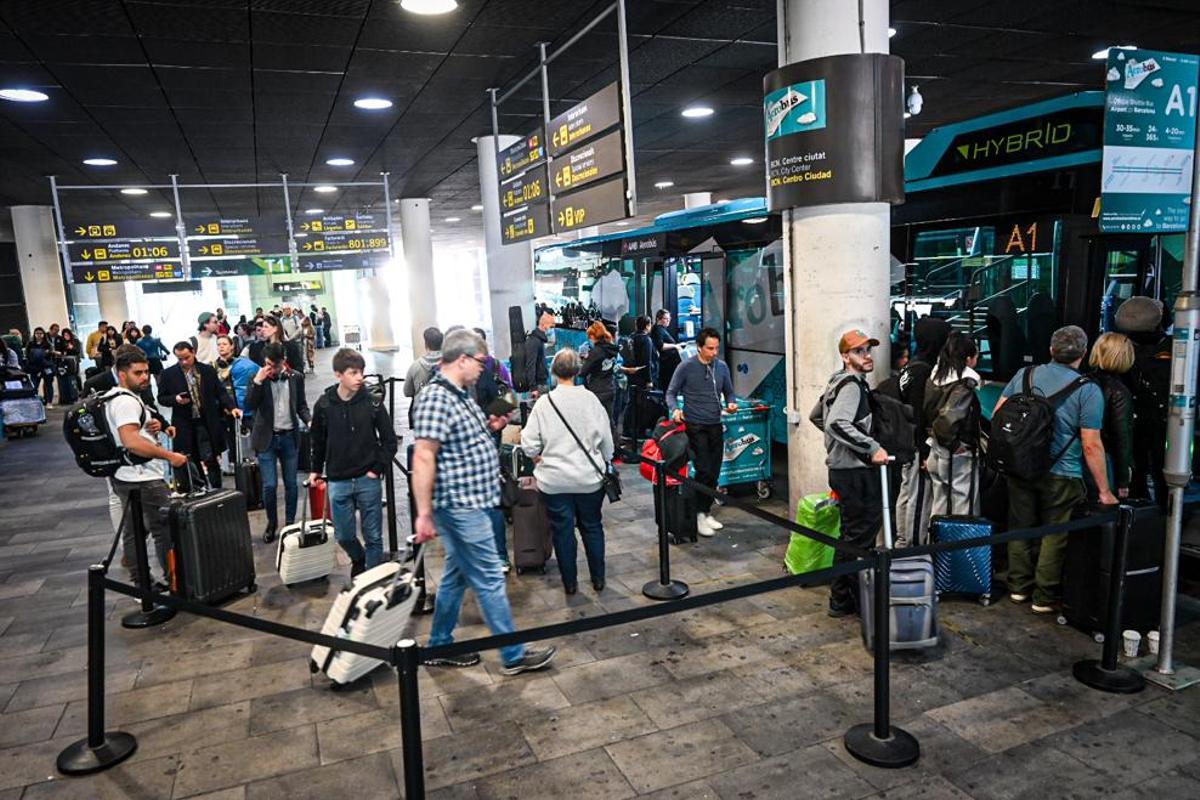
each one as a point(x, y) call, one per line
point(1087, 571)
point(532, 538)
point(211, 556)
point(681, 513)
point(304, 451)
point(246, 476)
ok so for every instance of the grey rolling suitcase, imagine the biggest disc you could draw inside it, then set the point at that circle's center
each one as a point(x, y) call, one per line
point(211, 555)
point(914, 604)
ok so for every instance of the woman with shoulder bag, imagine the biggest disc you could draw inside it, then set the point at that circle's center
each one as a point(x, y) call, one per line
point(1112, 356)
point(570, 439)
point(952, 412)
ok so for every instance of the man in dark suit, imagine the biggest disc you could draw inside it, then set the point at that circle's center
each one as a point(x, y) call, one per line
point(199, 404)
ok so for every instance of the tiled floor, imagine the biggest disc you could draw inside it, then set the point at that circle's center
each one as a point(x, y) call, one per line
point(744, 700)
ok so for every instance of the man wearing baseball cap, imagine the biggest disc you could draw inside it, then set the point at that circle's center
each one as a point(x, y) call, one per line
point(205, 340)
point(844, 414)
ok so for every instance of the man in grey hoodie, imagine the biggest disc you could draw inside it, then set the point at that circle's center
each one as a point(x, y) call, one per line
point(851, 455)
point(420, 372)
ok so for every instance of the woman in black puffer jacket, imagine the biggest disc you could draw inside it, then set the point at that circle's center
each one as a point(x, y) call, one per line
point(1112, 356)
point(599, 369)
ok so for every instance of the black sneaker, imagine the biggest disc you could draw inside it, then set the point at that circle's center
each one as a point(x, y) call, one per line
point(837, 612)
point(532, 660)
point(465, 660)
point(269, 534)
point(358, 567)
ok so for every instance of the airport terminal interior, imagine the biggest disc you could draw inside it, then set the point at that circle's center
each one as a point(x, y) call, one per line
point(621, 398)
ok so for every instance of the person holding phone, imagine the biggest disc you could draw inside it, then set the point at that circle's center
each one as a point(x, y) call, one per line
point(353, 442)
point(198, 405)
point(275, 399)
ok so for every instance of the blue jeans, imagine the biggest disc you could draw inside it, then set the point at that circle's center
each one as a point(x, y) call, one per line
point(363, 495)
point(471, 560)
point(564, 511)
point(499, 533)
point(282, 448)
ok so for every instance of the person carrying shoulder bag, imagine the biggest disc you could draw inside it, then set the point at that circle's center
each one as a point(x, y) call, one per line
point(563, 422)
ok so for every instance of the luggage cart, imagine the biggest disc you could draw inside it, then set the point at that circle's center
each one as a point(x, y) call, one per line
point(21, 410)
point(747, 437)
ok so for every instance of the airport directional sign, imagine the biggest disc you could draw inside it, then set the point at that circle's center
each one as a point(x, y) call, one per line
point(584, 120)
point(527, 222)
point(589, 163)
point(345, 242)
point(328, 263)
point(595, 205)
point(336, 223)
point(127, 271)
point(122, 250)
point(213, 225)
point(525, 189)
point(111, 228)
point(239, 247)
point(521, 155)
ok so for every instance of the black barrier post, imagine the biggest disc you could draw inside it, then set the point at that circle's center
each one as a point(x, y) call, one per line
point(664, 588)
point(150, 613)
point(407, 662)
point(101, 749)
point(389, 489)
point(880, 743)
point(1106, 674)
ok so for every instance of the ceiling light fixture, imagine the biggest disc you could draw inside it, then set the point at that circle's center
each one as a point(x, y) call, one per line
point(325, 188)
point(23, 95)
point(161, 214)
point(696, 112)
point(100, 162)
point(453, 219)
point(915, 101)
point(755, 220)
point(623, 224)
point(372, 103)
point(133, 190)
point(664, 184)
point(477, 207)
point(313, 211)
point(340, 162)
point(1101, 55)
point(429, 7)
point(891, 32)
point(741, 161)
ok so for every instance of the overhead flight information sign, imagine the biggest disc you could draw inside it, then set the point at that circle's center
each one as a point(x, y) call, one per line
point(593, 116)
point(596, 204)
point(589, 163)
point(334, 223)
point(1149, 136)
point(107, 228)
point(526, 188)
point(256, 245)
point(343, 242)
point(329, 263)
point(528, 222)
point(126, 271)
point(122, 250)
point(521, 155)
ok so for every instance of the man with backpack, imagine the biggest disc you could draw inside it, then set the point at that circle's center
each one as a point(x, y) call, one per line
point(133, 434)
point(420, 372)
point(844, 414)
point(1141, 319)
point(912, 506)
point(1046, 424)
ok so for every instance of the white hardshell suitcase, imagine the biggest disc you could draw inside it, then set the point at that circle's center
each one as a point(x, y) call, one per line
point(374, 609)
point(306, 550)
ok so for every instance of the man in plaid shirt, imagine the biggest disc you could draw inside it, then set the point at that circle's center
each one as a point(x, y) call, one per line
point(456, 482)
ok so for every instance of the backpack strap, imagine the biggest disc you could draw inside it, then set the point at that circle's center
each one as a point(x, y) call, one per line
point(1065, 392)
point(1027, 381)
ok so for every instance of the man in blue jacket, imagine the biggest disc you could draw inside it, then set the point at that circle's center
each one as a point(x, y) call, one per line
point(705, 386)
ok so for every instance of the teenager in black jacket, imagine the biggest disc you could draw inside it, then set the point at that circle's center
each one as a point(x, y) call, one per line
point(353, 442)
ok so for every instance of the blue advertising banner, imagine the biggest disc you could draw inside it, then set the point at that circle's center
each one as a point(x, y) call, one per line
point(1149, 141)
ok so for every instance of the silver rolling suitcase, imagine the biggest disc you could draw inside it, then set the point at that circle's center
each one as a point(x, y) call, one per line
point(914, 603)
point(306, 550)
point(374, 609)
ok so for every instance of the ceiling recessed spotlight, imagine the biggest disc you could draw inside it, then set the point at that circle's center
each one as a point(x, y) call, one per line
point(99, 162)
point(891, 32)
point(429, 7)
point(314, 211)
point(453, 219)
point(23, 95)
point(664, 184)
point(1100, 55)
point(340, 162)
point(741, 161)
point(161, 214)
point(695, 112)
point(325, 188)
point(133, 190)
point(372, 103)
point(477, 207)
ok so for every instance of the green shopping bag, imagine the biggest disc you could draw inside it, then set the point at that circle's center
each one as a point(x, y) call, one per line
point(821, 513)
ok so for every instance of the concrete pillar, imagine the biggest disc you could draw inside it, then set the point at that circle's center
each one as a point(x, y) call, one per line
point(41, 274)
point(114, 303)
point(418, 268)
point(836, 257)
point(696, 199)
point(509, 266)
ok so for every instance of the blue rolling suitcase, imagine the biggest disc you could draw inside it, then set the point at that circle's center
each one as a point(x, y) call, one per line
point(963, 571)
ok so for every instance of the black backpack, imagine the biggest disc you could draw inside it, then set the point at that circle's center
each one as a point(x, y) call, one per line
point(86, 430)
point(1022, 431)
point(892, 423)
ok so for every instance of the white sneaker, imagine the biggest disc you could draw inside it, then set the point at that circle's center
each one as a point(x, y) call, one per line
point(702, 526)
point(713, 522)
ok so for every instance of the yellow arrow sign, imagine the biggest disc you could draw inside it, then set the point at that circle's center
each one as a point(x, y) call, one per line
point(203, 249)
point(89, 277)
point(308, 245)
point(80, 231)
point(303, 226)
point(199, 229)
point(86, 254)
